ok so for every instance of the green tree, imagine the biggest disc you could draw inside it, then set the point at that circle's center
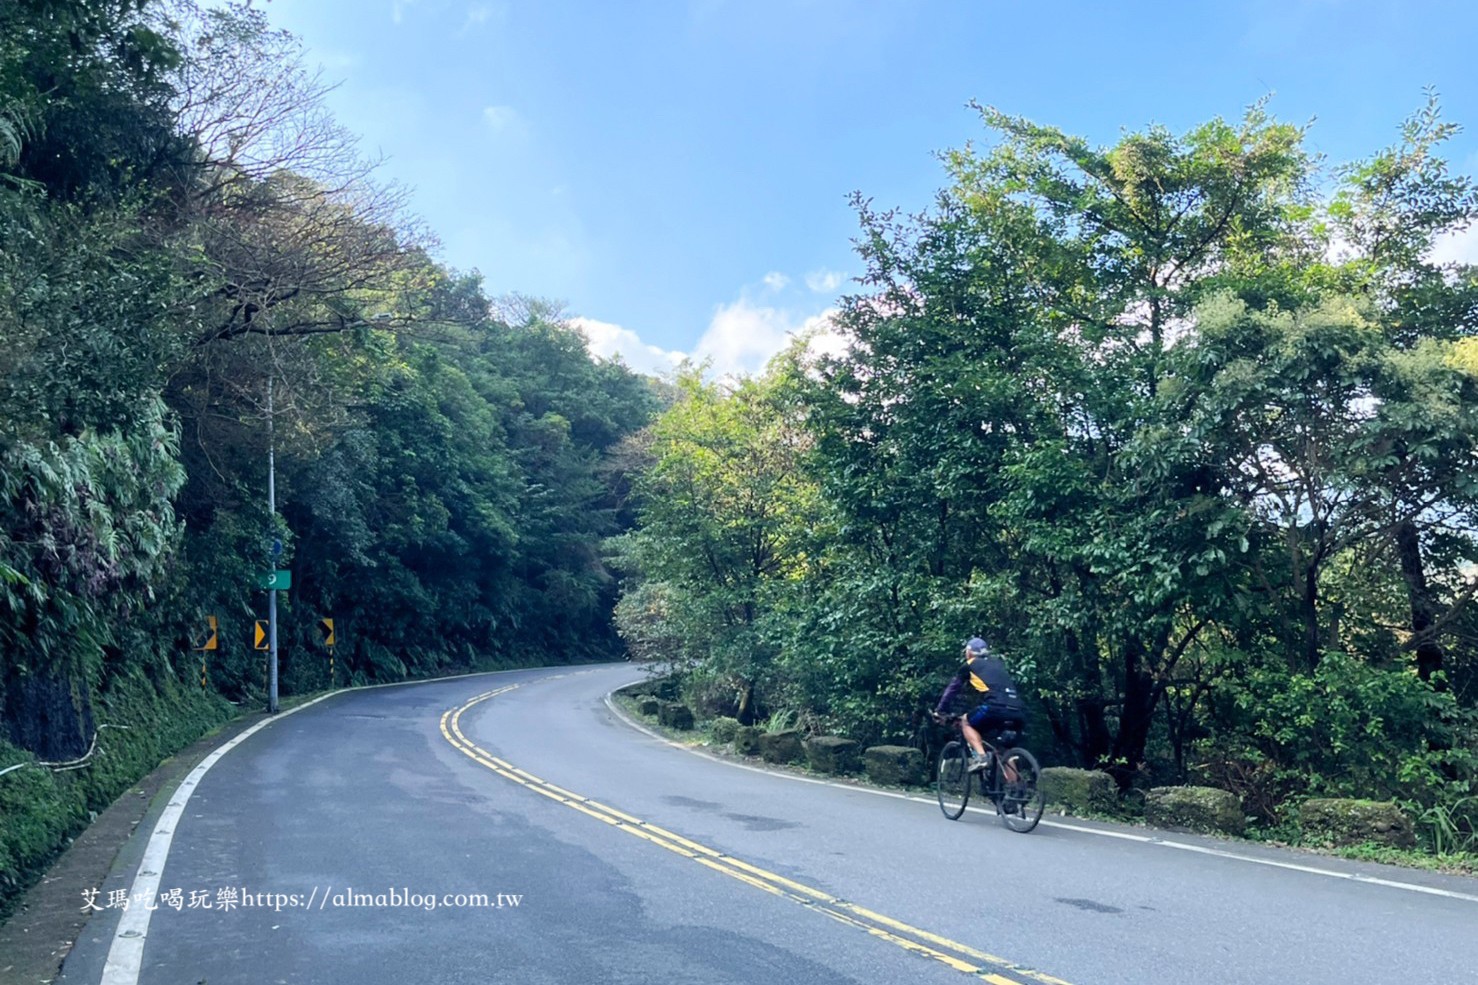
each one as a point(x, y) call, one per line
point(998, 425)
point(722, 505)
point(87, 82)
point(1390, 212)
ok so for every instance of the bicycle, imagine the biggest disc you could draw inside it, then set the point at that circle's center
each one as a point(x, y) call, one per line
point(1019, 803)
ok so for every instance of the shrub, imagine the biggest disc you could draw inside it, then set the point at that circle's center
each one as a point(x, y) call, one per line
point(723, 729)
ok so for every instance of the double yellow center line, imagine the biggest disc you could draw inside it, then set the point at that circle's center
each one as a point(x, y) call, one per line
point(961, 957)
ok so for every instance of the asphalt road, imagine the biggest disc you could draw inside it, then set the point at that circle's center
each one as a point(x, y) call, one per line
point(635, 861)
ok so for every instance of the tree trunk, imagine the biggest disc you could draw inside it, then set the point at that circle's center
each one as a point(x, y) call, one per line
point(1140, 698)
point(1309, 611)
point(1057, 720)
point(1097, 740)
point(746, 705)
point(1093, 729)
point(1423, 607)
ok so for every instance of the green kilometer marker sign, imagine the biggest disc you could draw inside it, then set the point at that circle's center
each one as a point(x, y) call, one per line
point(280, 580)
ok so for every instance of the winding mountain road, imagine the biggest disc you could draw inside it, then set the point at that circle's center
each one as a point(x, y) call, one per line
point(512, 828)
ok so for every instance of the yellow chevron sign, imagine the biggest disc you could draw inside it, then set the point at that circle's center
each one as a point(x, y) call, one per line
point(212, 641)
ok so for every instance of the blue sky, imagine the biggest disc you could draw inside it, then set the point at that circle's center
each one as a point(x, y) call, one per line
point(678, 172)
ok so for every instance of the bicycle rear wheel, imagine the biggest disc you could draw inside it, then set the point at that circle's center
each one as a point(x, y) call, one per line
point(1022, 802)
point(952, 780)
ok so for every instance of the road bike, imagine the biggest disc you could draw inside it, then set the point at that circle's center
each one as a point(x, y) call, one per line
point(1019, 802)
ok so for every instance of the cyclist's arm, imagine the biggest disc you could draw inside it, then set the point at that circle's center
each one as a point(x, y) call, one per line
point(950, 691)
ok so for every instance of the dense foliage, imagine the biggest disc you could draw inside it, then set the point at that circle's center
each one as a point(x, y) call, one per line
point(1186, 426)
point(180, 222)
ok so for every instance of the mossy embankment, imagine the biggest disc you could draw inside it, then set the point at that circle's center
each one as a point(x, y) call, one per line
point(141, 723)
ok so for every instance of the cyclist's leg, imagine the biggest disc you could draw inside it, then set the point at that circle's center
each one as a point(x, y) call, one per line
point(988, 720)
point(1015, 725)
point(970, 727)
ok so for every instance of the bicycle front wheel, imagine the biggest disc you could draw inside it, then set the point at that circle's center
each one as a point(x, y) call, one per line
point(1022, 800)
point(952, 780)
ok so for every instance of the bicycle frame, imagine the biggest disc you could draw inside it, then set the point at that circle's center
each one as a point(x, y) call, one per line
point(1018, 804)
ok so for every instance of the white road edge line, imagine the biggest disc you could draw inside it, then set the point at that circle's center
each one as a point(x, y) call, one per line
point(1121, 835)
point(126, 955)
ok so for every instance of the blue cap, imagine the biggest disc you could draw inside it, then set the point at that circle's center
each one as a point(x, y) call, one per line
point(976, 645)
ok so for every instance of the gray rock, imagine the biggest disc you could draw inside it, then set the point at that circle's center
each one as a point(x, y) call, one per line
point(747, 740)
point(1079, 791)
point(781, 747)
point(676, 715)
point(893, 765)
point(1337, 822)
point(1196, 809)
point(833, 754)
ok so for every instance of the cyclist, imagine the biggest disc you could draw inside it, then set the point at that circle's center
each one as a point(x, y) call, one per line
point(983, 697)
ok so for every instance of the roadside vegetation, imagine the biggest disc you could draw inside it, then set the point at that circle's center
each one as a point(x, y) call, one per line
point(181, 220)
point(1187, 427)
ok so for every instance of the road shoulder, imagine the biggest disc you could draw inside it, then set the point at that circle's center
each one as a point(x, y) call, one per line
point(52, 918)
point(1313, 862)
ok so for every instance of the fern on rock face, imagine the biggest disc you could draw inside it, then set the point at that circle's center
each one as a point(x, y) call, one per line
point(14, 129)
point(89, 530)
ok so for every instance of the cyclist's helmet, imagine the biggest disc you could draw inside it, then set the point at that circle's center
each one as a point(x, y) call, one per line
point(976, 647)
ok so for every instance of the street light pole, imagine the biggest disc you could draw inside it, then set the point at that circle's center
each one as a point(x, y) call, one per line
point(272, 583)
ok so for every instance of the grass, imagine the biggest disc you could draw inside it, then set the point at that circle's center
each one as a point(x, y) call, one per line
point(1456, 863)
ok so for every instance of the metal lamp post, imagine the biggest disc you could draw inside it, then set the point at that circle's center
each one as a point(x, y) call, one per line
point(272, 579)
point(274, 583)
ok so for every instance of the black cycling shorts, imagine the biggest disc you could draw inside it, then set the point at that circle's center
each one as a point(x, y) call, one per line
point(989, 720)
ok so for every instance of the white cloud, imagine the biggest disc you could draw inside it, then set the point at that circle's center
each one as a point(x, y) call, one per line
point(740, 340)
point(479, 14)
point(607, 340)
point(1456, 247)
point(398, 8)
point(825, 338)
point(503, 119)
point(743, 336)
point(825, 281)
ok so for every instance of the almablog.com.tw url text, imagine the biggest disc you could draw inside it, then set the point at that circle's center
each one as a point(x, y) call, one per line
point(229, 898)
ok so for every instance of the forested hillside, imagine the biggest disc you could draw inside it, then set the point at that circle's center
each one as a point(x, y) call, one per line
point(181, 222)
point(1187, 427)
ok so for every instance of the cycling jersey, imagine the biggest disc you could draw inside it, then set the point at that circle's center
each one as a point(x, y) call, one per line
point(983, 682)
